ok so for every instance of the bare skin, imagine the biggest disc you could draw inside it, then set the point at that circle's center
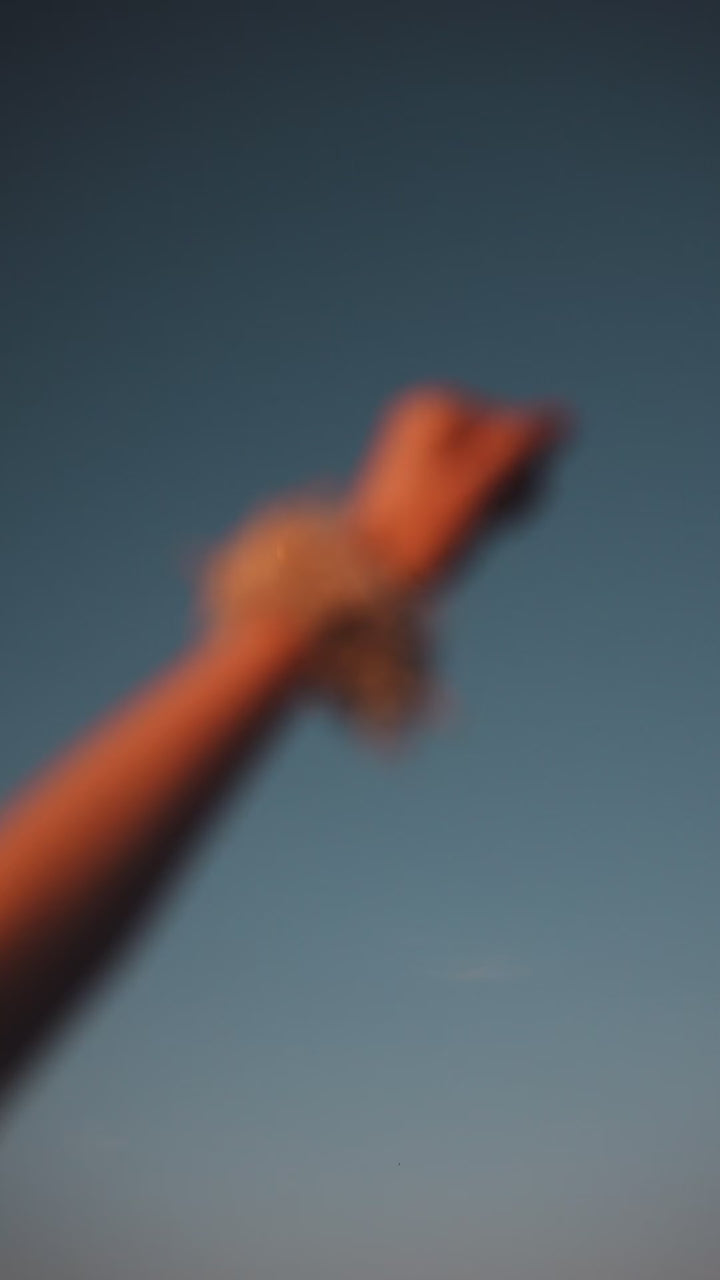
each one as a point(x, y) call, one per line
point(437, 470)
point(85, 848)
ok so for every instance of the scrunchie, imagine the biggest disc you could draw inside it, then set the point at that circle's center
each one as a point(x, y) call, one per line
point(371, 656)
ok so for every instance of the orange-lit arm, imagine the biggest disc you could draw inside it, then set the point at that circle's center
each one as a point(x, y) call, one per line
point(85, 847)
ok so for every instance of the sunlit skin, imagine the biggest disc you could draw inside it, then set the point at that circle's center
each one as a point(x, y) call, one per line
point(436, 470)
point(85, 847)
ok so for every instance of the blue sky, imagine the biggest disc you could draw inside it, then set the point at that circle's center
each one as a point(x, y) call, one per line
point(455, 1016)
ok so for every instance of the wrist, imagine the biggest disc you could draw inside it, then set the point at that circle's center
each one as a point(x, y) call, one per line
point(322, 570)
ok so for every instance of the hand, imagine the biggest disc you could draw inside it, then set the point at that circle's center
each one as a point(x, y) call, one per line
point(442, 466)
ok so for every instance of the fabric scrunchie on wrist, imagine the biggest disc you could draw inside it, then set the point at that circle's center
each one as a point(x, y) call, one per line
point(371, 653)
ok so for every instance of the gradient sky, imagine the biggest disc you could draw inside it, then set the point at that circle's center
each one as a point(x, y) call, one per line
point(454, 1018)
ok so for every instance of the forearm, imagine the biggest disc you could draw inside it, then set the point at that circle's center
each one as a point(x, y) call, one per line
point(83, 848)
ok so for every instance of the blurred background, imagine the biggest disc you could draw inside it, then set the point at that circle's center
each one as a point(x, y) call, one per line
point(455, 1016)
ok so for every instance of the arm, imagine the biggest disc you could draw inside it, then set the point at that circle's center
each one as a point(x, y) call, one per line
point(85, 849)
